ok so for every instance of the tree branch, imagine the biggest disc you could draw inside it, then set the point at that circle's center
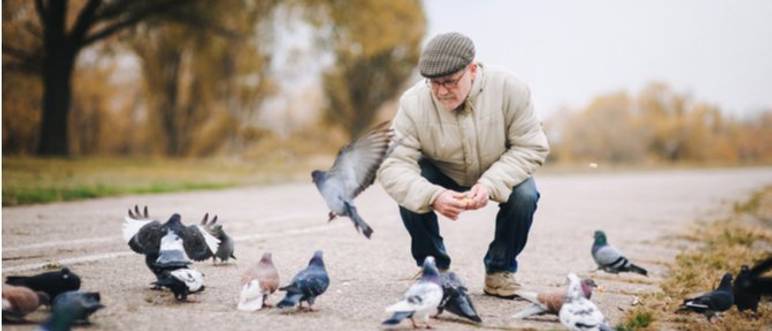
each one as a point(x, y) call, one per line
point(85, 20)
point(155, 9)
point(41, 11)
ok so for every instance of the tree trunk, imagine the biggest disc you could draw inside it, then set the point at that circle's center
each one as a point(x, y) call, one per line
point(57, 93)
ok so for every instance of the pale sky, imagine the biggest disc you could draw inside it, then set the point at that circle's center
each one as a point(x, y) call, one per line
point(571, 51)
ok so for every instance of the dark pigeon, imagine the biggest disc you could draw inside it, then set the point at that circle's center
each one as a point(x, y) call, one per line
point(308, 284)
point(227, 246)
point(716, 301)
point(353, 171)
point(421, 300)
point(71, 307)
point(610, 259)
point(750, 286)
point(455, 298)
point(181, 282)
point(144, 236)
point(51, 283)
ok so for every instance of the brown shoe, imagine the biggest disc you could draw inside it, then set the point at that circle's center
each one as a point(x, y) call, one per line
point(501, 284)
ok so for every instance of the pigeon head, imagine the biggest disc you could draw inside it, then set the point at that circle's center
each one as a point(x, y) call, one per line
point(600, 238)
point(587, 286)
point(175, 218)
point(429, 270)
point(267, 258)
point(316, 260)
point(317, 176)
point(70, 278)
point(726, 282)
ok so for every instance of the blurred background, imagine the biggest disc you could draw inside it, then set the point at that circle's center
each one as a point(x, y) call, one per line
point(105, 97)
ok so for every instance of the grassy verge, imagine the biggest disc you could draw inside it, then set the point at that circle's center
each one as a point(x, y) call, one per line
point(719, 246)
point(36, 180)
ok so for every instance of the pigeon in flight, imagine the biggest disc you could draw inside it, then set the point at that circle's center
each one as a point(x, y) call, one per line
point(227, 245)
point(19, 301)
point(70, 307)
point(455, 299)
point(159, 242)
point(750, 286)
point(51, 283)
point(353, 171)
point(258, 283)
point(716, 301)
point(610, 259)
point(579, 313)
point(308, 284)
point(421, 300)
point(549, 302)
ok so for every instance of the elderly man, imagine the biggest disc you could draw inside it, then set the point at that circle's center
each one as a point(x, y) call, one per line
point(468, 134)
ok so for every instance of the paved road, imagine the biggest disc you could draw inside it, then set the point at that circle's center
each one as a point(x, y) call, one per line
point(637, 210)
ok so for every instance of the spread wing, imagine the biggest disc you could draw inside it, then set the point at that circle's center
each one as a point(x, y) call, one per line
point(142, 233)
point(199, 244)
point(357, 163)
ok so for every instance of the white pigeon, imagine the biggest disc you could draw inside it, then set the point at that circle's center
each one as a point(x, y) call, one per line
point(578, 313)
point(421, 299)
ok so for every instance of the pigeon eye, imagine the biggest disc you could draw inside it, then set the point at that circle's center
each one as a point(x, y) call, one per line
point(65, 276)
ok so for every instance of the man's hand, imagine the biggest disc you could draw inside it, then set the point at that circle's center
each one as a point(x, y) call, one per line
point(477, 197)
point(449, 203)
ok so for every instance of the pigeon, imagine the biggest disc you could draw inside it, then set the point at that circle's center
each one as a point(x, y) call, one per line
point(455, 299)
point(70, 307)
point(716, 301)
point(750, 286)
point(51, 283)
point(421, 300)
point(227, 245)
point(579, 313)
point(610, 259)
point(19, 301)
point(181, 282)
point(258, 283)
point(353, 171)
point(308, 284)
point(144, 236)
point(549, 302)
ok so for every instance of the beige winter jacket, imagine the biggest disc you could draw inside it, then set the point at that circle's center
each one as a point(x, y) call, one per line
point(496, 140)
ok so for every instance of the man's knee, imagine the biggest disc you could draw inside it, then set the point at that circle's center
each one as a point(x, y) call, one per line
point(525, 194)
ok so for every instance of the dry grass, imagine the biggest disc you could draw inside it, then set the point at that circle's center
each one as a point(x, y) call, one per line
point(722, 246)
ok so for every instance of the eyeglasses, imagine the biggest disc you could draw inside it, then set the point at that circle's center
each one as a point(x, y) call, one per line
point(447, 84)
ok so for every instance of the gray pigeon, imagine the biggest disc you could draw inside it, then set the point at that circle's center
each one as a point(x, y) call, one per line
point(70, 307)
point(455, 299)
point(421, 300)
point(353, 171)
point(579, 313)
point(610, 259)
point(308, 284)
point(227, 245)
point(144, 236)
point(708, 304)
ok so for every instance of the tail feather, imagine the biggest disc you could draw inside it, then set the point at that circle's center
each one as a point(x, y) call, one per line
point(397, 318)
point(290, 300)
point(528, 295)
point(359, 223)
point(16, 280)
point(532, 309)
point(637, 269)
point(462, 306)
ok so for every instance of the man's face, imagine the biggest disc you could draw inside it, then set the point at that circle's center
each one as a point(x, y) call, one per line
point(452, 90)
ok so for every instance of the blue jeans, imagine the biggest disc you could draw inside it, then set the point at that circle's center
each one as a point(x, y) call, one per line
point(512, 225)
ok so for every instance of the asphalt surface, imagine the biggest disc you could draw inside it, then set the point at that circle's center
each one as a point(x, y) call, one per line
point(638, 210)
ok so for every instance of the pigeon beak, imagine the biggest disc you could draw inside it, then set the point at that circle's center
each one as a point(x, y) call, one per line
point(600, 289)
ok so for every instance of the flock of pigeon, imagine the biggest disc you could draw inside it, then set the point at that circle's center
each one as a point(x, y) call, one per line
point(171, 247)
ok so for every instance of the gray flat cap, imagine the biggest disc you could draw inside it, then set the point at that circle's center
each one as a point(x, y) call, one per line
point(445, 54)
